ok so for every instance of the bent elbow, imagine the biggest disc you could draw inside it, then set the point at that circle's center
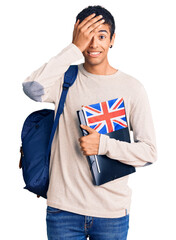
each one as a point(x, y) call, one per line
point(153, 156)
point(33, 90)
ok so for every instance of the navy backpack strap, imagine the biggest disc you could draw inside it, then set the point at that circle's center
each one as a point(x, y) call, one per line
point(69, 78)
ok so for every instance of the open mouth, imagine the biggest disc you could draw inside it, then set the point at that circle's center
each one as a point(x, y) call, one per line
point(94, 54)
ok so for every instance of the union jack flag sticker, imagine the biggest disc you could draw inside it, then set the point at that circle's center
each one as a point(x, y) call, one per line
point(107, 116)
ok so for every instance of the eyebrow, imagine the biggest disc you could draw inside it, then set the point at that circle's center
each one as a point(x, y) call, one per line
point(103, 31)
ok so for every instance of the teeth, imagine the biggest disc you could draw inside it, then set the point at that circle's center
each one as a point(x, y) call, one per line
point(94, 53)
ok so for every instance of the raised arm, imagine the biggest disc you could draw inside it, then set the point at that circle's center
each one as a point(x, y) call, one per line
point(42, 84)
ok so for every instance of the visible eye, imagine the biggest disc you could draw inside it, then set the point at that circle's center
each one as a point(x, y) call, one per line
point(101, 36)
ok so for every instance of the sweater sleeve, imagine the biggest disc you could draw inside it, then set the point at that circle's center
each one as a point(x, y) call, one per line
point(142, 151)
point(44, 83)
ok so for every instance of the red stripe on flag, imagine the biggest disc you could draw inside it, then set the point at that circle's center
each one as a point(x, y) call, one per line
point(124, 125)
point(92, 109)
point(118, 104)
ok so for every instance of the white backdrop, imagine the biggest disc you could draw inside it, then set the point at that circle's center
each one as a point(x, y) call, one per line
point(34, 31)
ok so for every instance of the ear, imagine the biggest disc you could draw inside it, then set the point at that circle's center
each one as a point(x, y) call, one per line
point(113, 38)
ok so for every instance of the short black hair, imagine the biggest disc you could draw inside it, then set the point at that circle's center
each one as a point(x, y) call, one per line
point(98, 10)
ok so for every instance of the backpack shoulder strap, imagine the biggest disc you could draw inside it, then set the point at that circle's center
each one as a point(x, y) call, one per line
point(69, 78)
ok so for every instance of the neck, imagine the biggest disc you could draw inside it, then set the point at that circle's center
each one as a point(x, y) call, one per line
point(103, 68)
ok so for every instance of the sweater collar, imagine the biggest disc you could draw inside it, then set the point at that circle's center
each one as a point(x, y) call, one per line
point(96, 76)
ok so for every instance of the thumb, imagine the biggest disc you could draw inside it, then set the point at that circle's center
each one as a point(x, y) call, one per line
point(89, 129)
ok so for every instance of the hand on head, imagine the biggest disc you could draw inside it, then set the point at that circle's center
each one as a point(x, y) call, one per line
point(84, 31)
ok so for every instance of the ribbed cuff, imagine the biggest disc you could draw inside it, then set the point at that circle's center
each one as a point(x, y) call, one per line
point(77, 50)
point(71, 53)
point(103, 144)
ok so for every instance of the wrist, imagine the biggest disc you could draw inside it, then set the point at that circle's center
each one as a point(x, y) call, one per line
point(78, 47)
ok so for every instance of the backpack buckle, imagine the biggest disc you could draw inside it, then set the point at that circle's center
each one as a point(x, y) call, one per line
point(66, 85)
point(22, 155)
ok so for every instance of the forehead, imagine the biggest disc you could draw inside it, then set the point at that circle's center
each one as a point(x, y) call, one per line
point(104, 29)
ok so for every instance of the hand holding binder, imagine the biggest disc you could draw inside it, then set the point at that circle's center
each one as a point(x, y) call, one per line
point(108, 117)
point(91, 143)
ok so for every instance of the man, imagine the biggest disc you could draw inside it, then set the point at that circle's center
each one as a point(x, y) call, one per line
point(76, 208)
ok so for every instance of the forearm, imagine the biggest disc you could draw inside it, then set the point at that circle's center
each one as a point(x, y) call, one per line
point(137, 154)
point(40, 85)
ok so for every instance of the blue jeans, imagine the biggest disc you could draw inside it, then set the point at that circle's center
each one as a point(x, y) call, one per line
point(64, 225)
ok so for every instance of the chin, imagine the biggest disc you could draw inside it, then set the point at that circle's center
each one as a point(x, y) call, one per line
point(93, 62)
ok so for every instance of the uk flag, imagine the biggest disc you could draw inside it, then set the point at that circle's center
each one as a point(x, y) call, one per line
point(107, 116)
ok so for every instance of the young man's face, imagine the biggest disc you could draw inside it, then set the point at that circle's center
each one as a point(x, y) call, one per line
point(96, 52)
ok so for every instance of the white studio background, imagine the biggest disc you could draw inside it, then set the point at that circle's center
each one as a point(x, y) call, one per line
point(34, 31)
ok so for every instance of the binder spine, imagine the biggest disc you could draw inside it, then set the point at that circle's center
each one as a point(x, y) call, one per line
point(93, 158)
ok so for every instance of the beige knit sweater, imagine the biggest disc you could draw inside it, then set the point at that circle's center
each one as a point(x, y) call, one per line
point(71, 186)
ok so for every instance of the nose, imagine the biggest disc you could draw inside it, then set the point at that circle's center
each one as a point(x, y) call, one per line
point(93, 43)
